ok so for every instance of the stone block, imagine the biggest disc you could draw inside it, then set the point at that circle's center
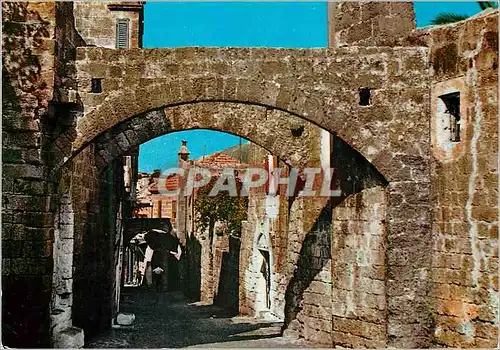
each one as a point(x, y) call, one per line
point(125, 319)
point(23, 171)
point(60, 319)
point(347, 18)
point(63, 285)
point(64, 263)
point(37, 249)
point(69, 338)
point(11, 248)
point(370, 10)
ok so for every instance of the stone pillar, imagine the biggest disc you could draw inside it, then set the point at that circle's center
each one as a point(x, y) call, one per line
point(69, 338)
point(183, 163)
point(409, 258)
point(62, 278)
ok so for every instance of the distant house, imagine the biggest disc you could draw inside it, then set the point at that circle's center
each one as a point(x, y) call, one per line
point(152, 202)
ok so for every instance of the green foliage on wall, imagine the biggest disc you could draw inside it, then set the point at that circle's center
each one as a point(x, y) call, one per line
point(227, 210)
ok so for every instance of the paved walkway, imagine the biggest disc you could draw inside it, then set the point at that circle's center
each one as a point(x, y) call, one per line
point(174, 322)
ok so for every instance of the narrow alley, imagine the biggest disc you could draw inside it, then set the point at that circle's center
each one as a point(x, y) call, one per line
point(175, 322)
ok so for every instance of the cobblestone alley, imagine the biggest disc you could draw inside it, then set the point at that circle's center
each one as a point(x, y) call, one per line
point(175, 322)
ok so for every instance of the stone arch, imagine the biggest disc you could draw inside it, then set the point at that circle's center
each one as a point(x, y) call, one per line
point(270, 129)
point(320, 86)
point(282, 134)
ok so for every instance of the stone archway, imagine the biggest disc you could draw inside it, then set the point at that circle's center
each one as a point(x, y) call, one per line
point(320, 86)
point(270, 129)
point(317, 85)
point(87, 171)
point(284, 134)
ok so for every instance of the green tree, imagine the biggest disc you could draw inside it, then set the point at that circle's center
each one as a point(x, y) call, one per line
point(450, 17)
point(223, 208)
point(487, 4)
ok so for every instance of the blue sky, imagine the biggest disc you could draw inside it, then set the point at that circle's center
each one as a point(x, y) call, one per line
point(161, 152)
point(269, 24)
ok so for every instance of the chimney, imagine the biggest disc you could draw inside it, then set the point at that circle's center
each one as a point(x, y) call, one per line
point(183, 152)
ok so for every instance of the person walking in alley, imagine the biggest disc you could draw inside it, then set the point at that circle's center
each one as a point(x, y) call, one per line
point(164, 245)
point(158, 274)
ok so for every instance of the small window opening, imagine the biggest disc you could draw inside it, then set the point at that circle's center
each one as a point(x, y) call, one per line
point(452, 103)
point(122, 30)
point(364, 97)
point(96, 85)
point(297, 132)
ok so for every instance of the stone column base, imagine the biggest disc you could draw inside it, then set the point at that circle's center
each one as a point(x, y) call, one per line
point(69, 338)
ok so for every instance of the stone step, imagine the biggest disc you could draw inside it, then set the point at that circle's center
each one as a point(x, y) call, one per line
point(125, 319)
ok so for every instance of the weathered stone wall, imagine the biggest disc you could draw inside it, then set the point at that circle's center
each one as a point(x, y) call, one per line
point(228, 287)
point(370, 23)
point(221, 246)
point(62, 277)
point(213, 271)
point(95, 201)
point(308, 281)
point(308, 312)
point(65, 107)
point(206, 270)
point(359, 303)
point(89, 228)
point(464, 58)
point(96, 22)
point(337, 254)
point(27, 219)
point(95, 196)
point(211, 275)
point(63, 112)
point(81, 180)
point(39, 106)
point(67, 40)
point(211, 258)
point(276, 233)
point(359, 252)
